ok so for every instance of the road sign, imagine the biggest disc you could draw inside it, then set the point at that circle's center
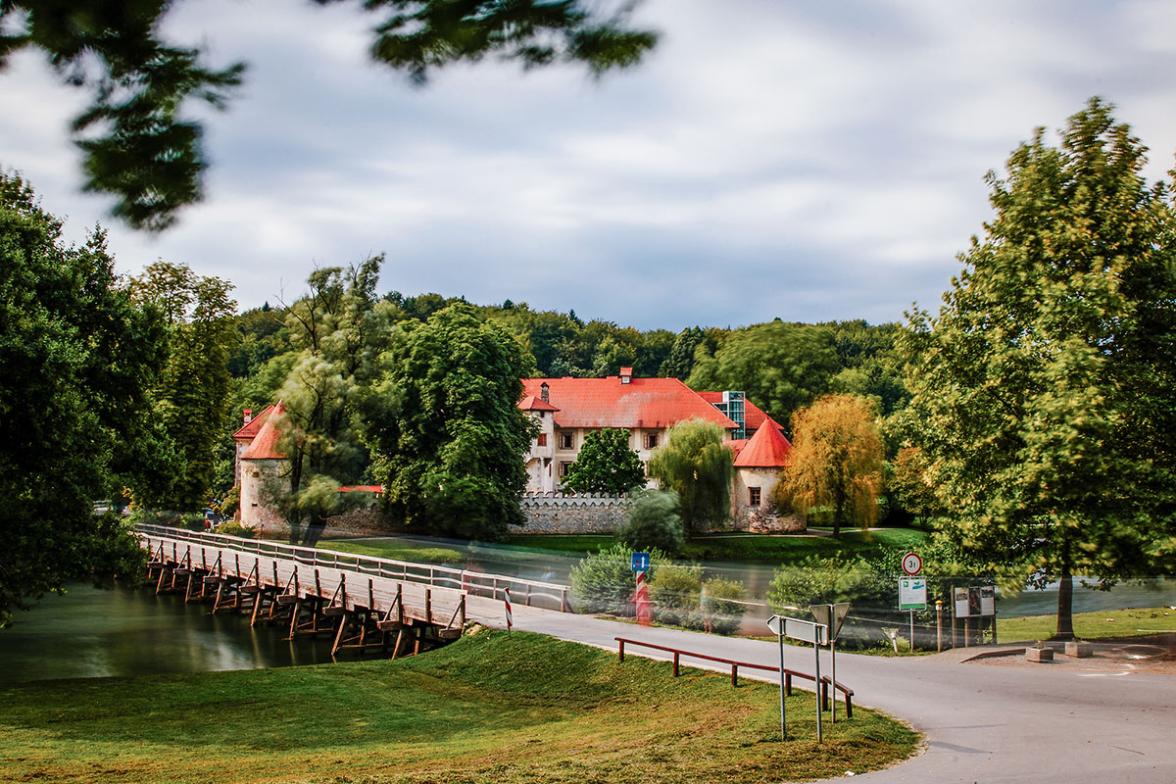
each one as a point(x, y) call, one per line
point(912, 564)
point(831, 615)
point(639, 562)
point(800, 630)
point(912, 593)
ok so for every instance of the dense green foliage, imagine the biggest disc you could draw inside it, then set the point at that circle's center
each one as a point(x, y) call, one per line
point(695, 464)
point(78, 358)
point(605, 464)
point(138, 136)
point(1044, 392)
point(675, 591)
point(461, 713)
point(444, 427)
point(722, 605)
point(604, 581)
point(654, 523)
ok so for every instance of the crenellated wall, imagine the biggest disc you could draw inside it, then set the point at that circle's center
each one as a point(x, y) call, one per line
point(571, 513)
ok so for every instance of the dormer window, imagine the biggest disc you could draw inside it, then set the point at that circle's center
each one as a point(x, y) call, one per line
point(626, 375)
point(545, 392)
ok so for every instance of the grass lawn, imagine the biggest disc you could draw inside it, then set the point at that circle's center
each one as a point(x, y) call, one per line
point(491, 707)
point(397, 551)
point(745, 548)
point(1091, 625)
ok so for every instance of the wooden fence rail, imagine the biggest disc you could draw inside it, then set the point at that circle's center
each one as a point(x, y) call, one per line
point(735, 664)
point(472, 582)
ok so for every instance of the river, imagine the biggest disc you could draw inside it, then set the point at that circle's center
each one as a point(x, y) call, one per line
point(90, 633)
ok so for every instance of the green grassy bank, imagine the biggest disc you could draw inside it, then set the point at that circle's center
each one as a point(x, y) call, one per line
point(1091, 625)
point(490, 708)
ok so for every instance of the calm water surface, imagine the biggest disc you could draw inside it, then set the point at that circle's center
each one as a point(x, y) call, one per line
point(90, 633)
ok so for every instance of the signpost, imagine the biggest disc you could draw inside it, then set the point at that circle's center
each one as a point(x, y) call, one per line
point(832, 616)
point(803, 631)
point(912, 590)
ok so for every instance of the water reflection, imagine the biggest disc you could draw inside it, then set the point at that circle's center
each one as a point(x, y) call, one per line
point(92, 633)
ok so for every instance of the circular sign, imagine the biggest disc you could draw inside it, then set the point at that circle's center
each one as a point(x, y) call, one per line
point(912, 564)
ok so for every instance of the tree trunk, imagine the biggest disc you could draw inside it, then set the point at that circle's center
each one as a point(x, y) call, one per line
point(1065, 606)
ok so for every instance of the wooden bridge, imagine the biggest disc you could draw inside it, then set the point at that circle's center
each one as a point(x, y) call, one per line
point(360, 601)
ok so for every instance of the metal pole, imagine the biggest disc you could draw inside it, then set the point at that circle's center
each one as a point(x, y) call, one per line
point(783, 734)
point(912, 631)
point(833, 676)
point(939, 625)
point(817, 681)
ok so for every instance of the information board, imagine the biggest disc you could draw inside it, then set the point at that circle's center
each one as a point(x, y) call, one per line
point(912, 593)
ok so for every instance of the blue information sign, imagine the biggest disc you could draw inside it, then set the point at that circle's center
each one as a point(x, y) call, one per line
point(640, 562)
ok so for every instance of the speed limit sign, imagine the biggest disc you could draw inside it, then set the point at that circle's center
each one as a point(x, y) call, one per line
point(912, 564)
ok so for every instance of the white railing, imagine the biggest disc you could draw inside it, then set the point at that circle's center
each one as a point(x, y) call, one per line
point(477, 583)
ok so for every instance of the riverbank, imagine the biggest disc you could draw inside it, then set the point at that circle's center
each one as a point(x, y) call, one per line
point(493, 707)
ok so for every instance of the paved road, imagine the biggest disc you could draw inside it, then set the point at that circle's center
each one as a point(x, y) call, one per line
point(983, 724)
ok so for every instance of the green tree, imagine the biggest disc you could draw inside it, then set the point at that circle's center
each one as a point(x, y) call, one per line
point(137, 136)
point(654, 523)
point(836, 461)
point(192, 396)
point(446, 436)
point(681, 359)
point(780, 366)
point(696, 465)
point(605, 464)
point(1045, 389)
point(78, 358)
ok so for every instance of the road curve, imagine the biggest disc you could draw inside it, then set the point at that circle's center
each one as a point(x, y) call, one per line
point(983, 724)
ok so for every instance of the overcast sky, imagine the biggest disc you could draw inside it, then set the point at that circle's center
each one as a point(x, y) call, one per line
point(807, 160)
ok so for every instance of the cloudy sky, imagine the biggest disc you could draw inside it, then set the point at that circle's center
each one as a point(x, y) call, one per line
point(808, 160)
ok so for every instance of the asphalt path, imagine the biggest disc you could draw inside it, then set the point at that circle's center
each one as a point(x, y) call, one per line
point(983, 724)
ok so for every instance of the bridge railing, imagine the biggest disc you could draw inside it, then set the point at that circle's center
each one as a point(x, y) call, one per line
point(522, 590)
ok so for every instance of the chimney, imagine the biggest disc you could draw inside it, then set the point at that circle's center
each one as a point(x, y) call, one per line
point(248, 415)
point(626, 375)
point(545, 392)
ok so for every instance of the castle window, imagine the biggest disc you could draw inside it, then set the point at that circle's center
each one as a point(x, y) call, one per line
point(753, 496)
point(542, 440)
point(563, 469)
point(651, 440)
point(565, 441)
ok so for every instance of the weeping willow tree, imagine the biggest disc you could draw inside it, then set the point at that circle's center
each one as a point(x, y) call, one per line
point(696, 465)
point(837, 456)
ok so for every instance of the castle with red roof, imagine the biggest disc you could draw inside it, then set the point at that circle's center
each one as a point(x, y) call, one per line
point(567, 410)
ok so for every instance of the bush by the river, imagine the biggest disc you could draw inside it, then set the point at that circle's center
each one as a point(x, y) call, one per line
point(233, 528)
point(721, 605)
point(675, 594)
point(604, 581)
point(654, 523)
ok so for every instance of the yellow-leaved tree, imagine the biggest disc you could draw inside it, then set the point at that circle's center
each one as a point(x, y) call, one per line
point(837, 457)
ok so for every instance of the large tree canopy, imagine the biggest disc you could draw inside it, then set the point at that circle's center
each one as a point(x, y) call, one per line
point(1044, 392)
point(697, 465)
point(138, 138)
point(444, 428)
point(605, 464)
point(78, 359)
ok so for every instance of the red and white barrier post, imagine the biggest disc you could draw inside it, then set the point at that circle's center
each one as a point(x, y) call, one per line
point(506, 603)
point(644, 607)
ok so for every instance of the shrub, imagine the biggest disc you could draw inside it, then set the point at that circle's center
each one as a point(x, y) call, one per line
point(721, 606)
point(233, 528)
point(604, 582)
point(675, 593)
point(654, 523)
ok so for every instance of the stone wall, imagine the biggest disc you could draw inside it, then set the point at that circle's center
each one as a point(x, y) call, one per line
point(569, 513)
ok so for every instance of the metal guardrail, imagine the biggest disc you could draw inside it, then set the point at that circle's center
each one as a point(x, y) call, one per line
point(522, 590)
point(735, 664)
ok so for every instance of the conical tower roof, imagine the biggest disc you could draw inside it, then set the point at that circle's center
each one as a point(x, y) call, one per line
point(768, 448)
point(265, 443)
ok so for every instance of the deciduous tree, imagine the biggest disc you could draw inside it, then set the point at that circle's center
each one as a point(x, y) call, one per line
point(1045, 389)
point(696, 465)
point(605, 464)
point(837, 456)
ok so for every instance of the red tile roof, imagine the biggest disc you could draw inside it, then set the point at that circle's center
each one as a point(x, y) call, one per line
point(768, 448)
point(735, 445)
point(533, 403)
point(642, 403)
point(250, 430)
point(377, 489)
point(265, 444)
point(753, 415)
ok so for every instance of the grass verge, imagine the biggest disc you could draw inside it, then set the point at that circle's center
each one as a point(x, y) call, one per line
point(1091, 625)
point(492, 707)
point(397, 551)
